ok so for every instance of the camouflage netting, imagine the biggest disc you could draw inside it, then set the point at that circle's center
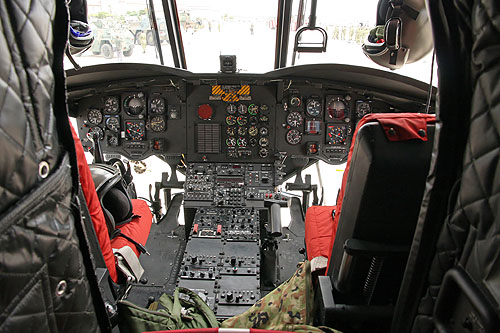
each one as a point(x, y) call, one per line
point(287, 308)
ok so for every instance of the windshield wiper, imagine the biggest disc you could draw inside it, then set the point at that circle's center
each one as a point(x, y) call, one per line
point(154, 28)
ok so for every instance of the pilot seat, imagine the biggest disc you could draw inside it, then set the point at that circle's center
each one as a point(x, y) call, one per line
point(363, 241)
point(117, 251)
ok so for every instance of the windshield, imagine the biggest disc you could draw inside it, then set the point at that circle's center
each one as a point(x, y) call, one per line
point(246, 29)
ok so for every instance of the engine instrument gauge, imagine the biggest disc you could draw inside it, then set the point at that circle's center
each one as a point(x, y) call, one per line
point(242, 120)
point(362, 108)
point(253, 120)
point(313, 107)
point(293, 137)
point(294, 119)
point(242, 109)
point(264, 131)
point(253, 142)
point(264, 119)
point(134, 104)
point(95, 129)
point(242, 131)
point(336, 134)
point(253, 131)
point(253, 109)
point(112, 140)
point(295, 101)
point(230, 120)
point(241, 142)
point(263, 152)
point(231, 142)
point(94, 116)
point(157, 124)
point(157, 105)
point(231, 109)
point(135, 130)
point(231, 131)
point(263, 142)
point(111, 105)
point(113, 123)
point(337, 109)
point(264, 108)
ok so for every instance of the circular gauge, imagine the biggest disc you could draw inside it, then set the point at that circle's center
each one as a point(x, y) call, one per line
point(231, 142)
point(336, 135)
point(264, 108)
point(134, 130)
point(253, 109)
point(263, 142)
point(157, 105)
point(293, 137)
point(157, 124)
point(95, 129)
point(242, 109)
point(253, 131)
point(134, 104)
point(242, 131)
point(252, 120)
point(113, 123)
point(94, 116)
point(313, 107)
point(231, 109)
point(253, 142)
point(264, 119)
point(205, 112)
point(111, 104)
point(242, 120)
point(295, 101)
point(263, 152)
point(231, 131)
point(362, 108)
point(230, 120)
point(337, 109)
point(263, 131)
point(241, 142)
point(294, 119)
point(112, 140)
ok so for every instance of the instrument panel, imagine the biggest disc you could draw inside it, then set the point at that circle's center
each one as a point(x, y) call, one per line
point(214, 121)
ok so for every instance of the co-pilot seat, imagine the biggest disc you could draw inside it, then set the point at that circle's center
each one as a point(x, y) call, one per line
point(137, 229)
point(368, 236)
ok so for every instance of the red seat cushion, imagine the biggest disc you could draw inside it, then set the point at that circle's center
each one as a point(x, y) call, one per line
point(137, 229)
point(94, 207)
point(319, 231)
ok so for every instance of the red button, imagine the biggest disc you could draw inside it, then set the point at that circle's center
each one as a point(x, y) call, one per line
point(219, 229)
point(195, 228)
point(205, 111)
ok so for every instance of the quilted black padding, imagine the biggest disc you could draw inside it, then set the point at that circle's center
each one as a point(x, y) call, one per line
point(43, 282)
point(471, 235)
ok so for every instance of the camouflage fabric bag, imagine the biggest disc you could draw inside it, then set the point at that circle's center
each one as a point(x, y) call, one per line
point(287, 308)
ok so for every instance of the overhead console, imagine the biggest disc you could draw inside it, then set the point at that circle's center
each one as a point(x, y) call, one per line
point(301, 112)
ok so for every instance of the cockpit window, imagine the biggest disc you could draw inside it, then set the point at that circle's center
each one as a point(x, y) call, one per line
point(246, 29)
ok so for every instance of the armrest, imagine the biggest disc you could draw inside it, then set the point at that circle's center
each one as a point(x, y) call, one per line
point(354, 248)
point(357, 247)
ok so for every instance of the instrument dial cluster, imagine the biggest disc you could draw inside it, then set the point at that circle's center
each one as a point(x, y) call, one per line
point(246, 131)
point(131, 122)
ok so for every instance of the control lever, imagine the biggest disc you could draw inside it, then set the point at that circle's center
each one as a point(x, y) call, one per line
point(98, 156)
point(276, 230)
point(155, 203)
point(306, 187)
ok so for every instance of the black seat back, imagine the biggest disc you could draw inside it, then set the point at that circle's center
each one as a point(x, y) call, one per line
point(384, 189)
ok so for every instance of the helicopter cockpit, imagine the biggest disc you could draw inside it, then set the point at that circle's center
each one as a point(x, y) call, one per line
point(260, 135)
